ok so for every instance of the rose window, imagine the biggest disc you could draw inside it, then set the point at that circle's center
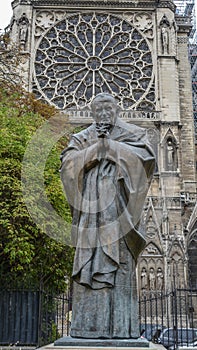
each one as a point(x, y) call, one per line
point(89, 53)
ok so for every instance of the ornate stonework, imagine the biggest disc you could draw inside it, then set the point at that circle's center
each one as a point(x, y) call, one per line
point(136, 50)
point(85, 54)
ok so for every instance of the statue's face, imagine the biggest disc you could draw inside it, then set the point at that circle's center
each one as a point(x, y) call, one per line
point(105, 109)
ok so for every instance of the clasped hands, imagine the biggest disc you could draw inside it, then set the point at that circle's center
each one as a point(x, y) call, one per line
point(103, 132)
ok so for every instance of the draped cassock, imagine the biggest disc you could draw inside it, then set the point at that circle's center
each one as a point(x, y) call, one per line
point(106, 189)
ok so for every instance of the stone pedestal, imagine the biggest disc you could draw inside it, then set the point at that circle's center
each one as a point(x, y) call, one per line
point(68, 343)
point(104, 343)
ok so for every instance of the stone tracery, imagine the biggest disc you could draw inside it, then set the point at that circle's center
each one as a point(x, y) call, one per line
point(89, 53)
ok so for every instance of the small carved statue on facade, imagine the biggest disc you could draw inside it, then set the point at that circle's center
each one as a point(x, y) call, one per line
point(171, 155)
point(23, 30)
point(159, 279)
point(165, 29)
point(152, 279)
point(150, 227)
point(165, 40)
point(144, 279)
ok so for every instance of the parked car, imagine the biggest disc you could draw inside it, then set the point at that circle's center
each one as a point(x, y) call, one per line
point(150, 331)
point(172, 337)
point(188, 346)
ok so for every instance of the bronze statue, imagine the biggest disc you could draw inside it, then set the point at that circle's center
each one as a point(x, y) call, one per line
point(106, 172)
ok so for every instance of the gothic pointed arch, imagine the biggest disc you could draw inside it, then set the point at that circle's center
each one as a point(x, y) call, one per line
point(192, 256)
point(151, 269)
point(152, 249)
point(177, 263)
point(152, 225)
point(164, 21)
point(170, 155)
point(165, 34)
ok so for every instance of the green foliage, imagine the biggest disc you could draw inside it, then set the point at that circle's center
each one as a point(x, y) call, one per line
point(28, 257)
point(20, 102)
point(49, 333)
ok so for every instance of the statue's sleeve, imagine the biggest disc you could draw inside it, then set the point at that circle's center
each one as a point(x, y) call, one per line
point(135, 165)
point(76, 158)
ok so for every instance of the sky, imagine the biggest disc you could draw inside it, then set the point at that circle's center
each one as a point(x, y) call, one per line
point(6, 13)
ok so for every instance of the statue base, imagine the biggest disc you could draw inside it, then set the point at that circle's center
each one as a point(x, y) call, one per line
point(68, 343)
point(101, 343)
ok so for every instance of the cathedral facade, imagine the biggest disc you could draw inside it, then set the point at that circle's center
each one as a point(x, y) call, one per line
point(137, 51)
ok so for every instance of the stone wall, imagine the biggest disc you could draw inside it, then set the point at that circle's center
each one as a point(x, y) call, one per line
point(163, 103)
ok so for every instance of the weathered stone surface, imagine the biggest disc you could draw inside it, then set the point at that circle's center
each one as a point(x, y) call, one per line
point(113, 343)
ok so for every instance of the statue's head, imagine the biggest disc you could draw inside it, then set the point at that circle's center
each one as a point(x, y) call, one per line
point(104, 109)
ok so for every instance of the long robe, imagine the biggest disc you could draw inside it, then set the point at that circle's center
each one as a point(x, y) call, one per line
point(106, 193)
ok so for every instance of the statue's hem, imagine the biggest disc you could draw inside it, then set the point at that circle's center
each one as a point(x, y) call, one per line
point(69, 341)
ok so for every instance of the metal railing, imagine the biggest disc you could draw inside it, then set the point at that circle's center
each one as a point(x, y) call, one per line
point(39, 318)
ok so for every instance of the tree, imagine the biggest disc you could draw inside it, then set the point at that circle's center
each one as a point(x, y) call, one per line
point(10, 61)
point(28, 257)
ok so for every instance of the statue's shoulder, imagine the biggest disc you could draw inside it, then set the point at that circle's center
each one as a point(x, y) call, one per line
point(83, 135)
point(78, 140)
point(131, 128)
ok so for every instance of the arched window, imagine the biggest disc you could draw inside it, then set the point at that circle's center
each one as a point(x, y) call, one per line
point(171, 161)
point(192, 259)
